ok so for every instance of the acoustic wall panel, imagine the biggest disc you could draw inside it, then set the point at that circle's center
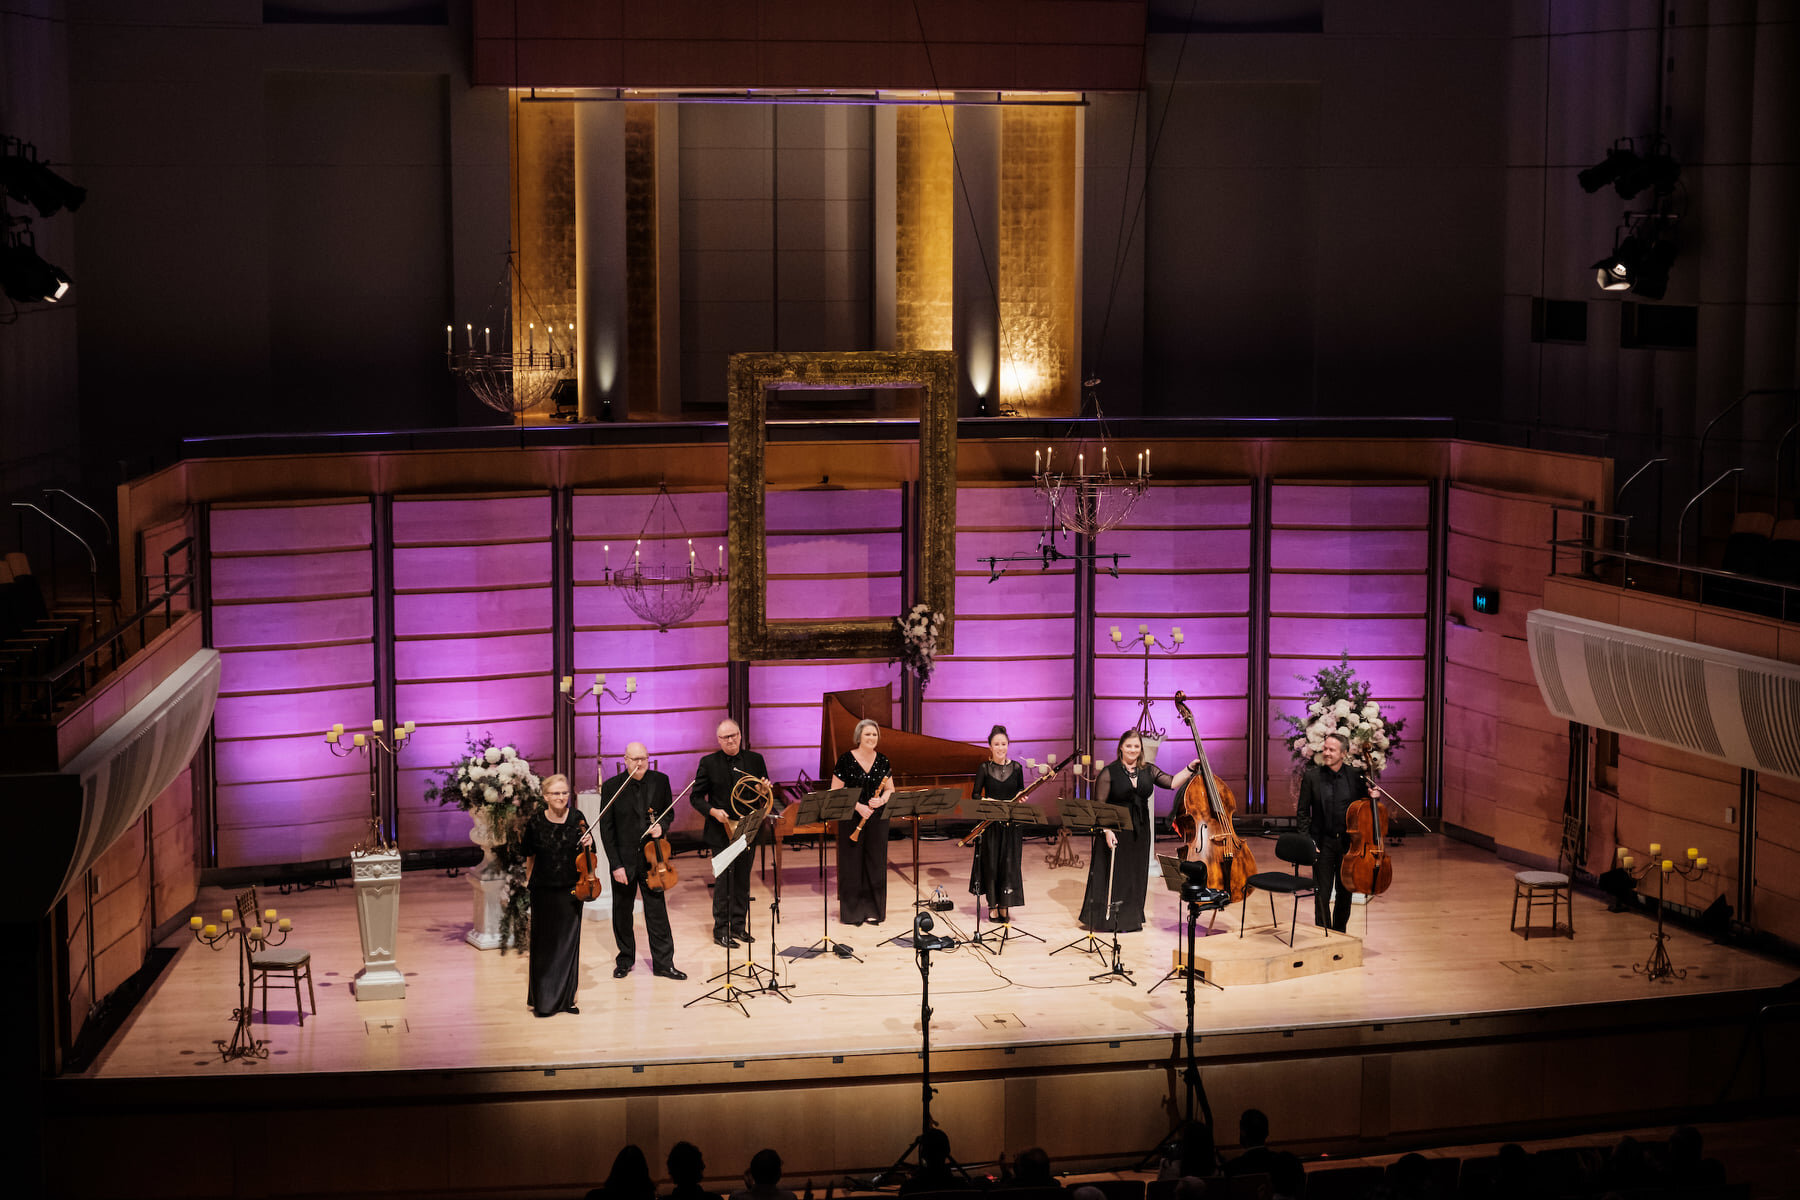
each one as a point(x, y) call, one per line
point(682, 673)
point(1015, 636)
point(1348, 572)
point(472, 643)
point(1189, 549)
point(292, 600)
point(833, 554)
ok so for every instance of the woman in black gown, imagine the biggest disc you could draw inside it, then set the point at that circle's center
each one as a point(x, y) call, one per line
point(551, 841)
point(996, 873)
point(862, 864)
point(1130, 783)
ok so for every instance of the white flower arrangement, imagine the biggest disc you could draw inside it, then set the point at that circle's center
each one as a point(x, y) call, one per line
point(1338, 702)
point(498, 781)
point(919, 630)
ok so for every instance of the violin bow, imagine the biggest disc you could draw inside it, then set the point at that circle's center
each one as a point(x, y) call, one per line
point(665, 812)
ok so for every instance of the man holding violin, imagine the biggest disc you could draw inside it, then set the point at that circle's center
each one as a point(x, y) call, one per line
point(637, 801)
point(718, 774)
point(1326, 793)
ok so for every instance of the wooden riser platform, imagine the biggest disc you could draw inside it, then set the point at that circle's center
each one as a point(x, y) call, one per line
point(1262, 955)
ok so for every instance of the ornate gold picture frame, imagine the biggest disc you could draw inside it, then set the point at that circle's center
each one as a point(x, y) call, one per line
point(752, 377)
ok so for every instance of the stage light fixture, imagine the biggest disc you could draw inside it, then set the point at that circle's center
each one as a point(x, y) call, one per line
point(1656, 171)
point(28, 180)
point(1618, 270)
point(1618, 160)
point(28, 279)
point(1652, 279)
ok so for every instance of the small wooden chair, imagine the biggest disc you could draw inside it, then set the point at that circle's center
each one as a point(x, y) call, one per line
point(289, 963)
point(1554, 888)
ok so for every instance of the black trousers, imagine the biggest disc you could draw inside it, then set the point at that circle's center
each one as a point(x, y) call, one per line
point(1327, 883)
point(656, 921)
point(731, 895)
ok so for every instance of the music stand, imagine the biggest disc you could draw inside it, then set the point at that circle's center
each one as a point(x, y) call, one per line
point(1094, 815)
point(915, 804)
point(1203, 900)
point(838, 804)
point(1006, 814)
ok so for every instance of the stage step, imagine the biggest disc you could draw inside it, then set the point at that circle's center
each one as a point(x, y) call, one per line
point(1261, 957)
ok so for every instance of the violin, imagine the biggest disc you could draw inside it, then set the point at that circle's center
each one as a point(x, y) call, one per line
point(587, 862)
point(1210, 803)
point(1366, 867)
point(659, 872)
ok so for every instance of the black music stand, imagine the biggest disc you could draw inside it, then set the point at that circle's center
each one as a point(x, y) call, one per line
point(1006, 814)
point(1090, 816)
point(1199, 898)
point(750, 831)
point(728, 992)
point(915, 804)
point(837, 804)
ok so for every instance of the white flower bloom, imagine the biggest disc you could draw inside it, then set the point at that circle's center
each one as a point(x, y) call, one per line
point(492, 754)
point(490, 795)
point(1299, 743)
point(477, 772)
point(467, 788)
point(1318, 708)
point(506, 789)
point(508, 752)
point(1371, 710)
point(1341, 709)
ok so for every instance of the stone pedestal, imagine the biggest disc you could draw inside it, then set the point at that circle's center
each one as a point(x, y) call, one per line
point(377, 880)
point(489, 883)
point(599, 908)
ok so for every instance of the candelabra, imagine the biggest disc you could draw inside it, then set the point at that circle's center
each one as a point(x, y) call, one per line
point(601, 693)
point(1064, 854)
point(661, 596)
point(242, 1043)
point(371, 746)
point(1090, 502)
point(1658, 966)
point(1149, 642)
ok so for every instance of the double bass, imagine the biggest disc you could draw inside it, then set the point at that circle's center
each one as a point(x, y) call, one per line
point(1210, 803)
point(1366, 867)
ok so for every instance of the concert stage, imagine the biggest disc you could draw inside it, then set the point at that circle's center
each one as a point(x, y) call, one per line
point(1451, 1025)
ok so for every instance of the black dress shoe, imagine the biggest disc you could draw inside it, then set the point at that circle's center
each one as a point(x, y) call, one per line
point(621, 972)
point(744, 935)
point(670, 972)
point(729, 943)
point(572, 1011)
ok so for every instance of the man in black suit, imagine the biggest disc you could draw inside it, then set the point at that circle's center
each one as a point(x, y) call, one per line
point(711, 797)
point(634, 817)
point(1325, 794)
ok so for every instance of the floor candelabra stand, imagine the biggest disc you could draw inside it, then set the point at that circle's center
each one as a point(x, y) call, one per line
point(243, 936)
point(1658, 966)
point(1148, 642)
point(375, 865)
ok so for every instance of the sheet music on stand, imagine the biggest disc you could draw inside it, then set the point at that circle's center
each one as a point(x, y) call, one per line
point(915, 804)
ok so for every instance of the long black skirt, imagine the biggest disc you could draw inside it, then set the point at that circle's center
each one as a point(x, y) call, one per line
point(862, 870)
point(555, 949)
point(1130, 879)
point(996, 873)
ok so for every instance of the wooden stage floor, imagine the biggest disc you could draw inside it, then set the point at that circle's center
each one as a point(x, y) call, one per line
point(1436, 946)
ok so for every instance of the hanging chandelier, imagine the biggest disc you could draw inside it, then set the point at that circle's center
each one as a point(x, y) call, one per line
point(513, 380)
point(1086, 492)
point(662, 595)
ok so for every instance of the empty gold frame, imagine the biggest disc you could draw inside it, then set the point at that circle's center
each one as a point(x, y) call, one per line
point(750, 379)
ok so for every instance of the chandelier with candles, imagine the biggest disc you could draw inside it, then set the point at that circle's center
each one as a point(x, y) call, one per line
point(512, 379)
point(1087, 492)
point(659, 593)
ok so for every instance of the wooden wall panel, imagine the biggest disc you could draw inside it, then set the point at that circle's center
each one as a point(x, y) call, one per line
point(174, 853)
point(292, 668)
point(1776, 900)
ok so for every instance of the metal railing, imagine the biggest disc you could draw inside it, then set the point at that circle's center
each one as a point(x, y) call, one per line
point(1605, 559)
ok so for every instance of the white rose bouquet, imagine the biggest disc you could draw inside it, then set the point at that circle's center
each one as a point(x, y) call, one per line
point(1338, 702)
point(498, 781)
point(919, 630)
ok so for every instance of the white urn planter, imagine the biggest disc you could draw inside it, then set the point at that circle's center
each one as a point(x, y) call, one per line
point(489, 881)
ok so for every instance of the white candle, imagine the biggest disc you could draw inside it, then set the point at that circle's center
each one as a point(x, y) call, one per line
point(1037, 462)
point(410, 726)
point(487, 341)
point(1143, 629)
point(471, 336)
point(721, 556)
point(530, 337)
point(376, 726)
point(606, 556)
point(599, 682)
point(338, 728)
point(1176, 633)
point(449, 344)
point(567, 684)
point(1146, 462)
point(1080, 465)
point(360, 740)
point(331, 735)
point(630, 684)
point(1103, 460)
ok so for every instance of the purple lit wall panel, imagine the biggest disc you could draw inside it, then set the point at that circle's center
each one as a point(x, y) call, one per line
point(1221, 721)
point(301, 801)
point(1038, 722)
point(1398, 678)
point(807, 682)
point(1306, 593)
point(683, 646)
point(439, 567)
point(511, 610)
point(1030, 592)
point(1007, 508)
point(492, 699)
point(255, 577)
point(303, 622)
point(1184, 550)
point(973, 545)
point(290, 527)
point(1123, 675)
point(454, 522)
point(435, 746)
point(598, 604)
point(1354, 505)
point(989, 638)
point(1348, 549)
point(619, 516)
point(1187, 507)
point(1329, 636)
point(1014, 679)
point(276, 714)
point(595, 556)
point(811, 512)
point(453, 658)
point(271, 759)
point(1168, 597)
point(1206, 636)
point(834, 599)
point(256, 845)
point(833, 554)
point(430, 824)
point(306, 667)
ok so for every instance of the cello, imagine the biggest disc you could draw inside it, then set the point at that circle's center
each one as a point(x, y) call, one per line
point(1366, 867)
point(1210, 803)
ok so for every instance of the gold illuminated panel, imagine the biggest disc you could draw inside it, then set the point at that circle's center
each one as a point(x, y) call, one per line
point(924, 221)
point(543, 176)
point(642, 313)
point(1038, 371)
